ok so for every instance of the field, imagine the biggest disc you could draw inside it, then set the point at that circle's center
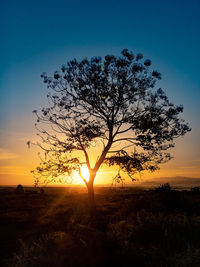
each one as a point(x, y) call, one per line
point(132, 227)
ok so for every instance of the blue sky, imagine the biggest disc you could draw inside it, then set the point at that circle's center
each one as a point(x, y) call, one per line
point(39, 36)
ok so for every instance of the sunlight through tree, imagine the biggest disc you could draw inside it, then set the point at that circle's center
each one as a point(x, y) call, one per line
point(113, 102)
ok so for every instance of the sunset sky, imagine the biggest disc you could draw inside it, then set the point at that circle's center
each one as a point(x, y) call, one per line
point(38, 36)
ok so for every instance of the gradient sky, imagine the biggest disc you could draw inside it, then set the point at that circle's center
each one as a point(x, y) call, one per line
point(39, 36)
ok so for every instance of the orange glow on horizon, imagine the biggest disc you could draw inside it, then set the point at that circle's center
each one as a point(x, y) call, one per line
point(17, 161)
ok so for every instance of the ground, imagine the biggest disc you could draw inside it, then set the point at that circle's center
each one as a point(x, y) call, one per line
point(132, 226)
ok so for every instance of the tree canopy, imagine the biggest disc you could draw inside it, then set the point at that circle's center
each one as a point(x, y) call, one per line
point(112, 101)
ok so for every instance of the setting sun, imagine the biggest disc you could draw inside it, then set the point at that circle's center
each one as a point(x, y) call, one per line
point(100, 133)
point(85, 172)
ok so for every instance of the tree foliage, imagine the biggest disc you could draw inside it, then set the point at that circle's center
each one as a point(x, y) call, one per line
point(112, 101)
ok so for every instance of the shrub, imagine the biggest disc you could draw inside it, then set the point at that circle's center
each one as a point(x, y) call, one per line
point(195, 189)
point(163, 188)
point(19, 189)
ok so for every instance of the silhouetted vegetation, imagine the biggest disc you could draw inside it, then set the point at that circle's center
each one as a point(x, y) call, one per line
point(133, 226)
point(111, 102)
point(195, 189)
point(163, 188)
point(19, 189)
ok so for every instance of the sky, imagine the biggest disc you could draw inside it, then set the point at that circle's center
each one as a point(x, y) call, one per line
point(38, 36)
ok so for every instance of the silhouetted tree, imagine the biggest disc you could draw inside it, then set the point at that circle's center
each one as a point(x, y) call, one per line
point(112, 103)
point(19, 189)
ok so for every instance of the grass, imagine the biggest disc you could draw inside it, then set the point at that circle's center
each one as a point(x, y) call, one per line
point(133, 226)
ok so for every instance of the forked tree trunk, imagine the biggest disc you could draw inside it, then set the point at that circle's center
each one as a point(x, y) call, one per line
point(93, 173)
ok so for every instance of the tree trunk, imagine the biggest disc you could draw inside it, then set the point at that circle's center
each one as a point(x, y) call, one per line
point(91, 199)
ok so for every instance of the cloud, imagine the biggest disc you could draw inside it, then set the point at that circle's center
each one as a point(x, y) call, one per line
point(195, 160)
point(15, 169)
point(5, 154)
point(188, 167)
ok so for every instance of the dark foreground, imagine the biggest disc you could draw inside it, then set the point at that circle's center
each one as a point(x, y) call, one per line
point(133, 227)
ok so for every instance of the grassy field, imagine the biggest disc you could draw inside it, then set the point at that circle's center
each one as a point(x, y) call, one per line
point(132, 227)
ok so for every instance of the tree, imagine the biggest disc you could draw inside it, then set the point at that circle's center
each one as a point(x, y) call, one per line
point(110, 102)
point(19, 189)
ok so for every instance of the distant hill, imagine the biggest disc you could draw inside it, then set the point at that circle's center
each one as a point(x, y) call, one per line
point(179, 181)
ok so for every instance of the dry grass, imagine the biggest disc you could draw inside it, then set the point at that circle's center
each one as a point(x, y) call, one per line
point(141, 227)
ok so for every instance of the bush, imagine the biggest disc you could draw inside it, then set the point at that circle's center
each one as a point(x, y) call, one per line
point(19, 189)
point(163, 188)
point(195, 189)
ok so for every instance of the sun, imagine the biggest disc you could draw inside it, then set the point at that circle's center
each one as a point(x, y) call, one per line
point(85, 173)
